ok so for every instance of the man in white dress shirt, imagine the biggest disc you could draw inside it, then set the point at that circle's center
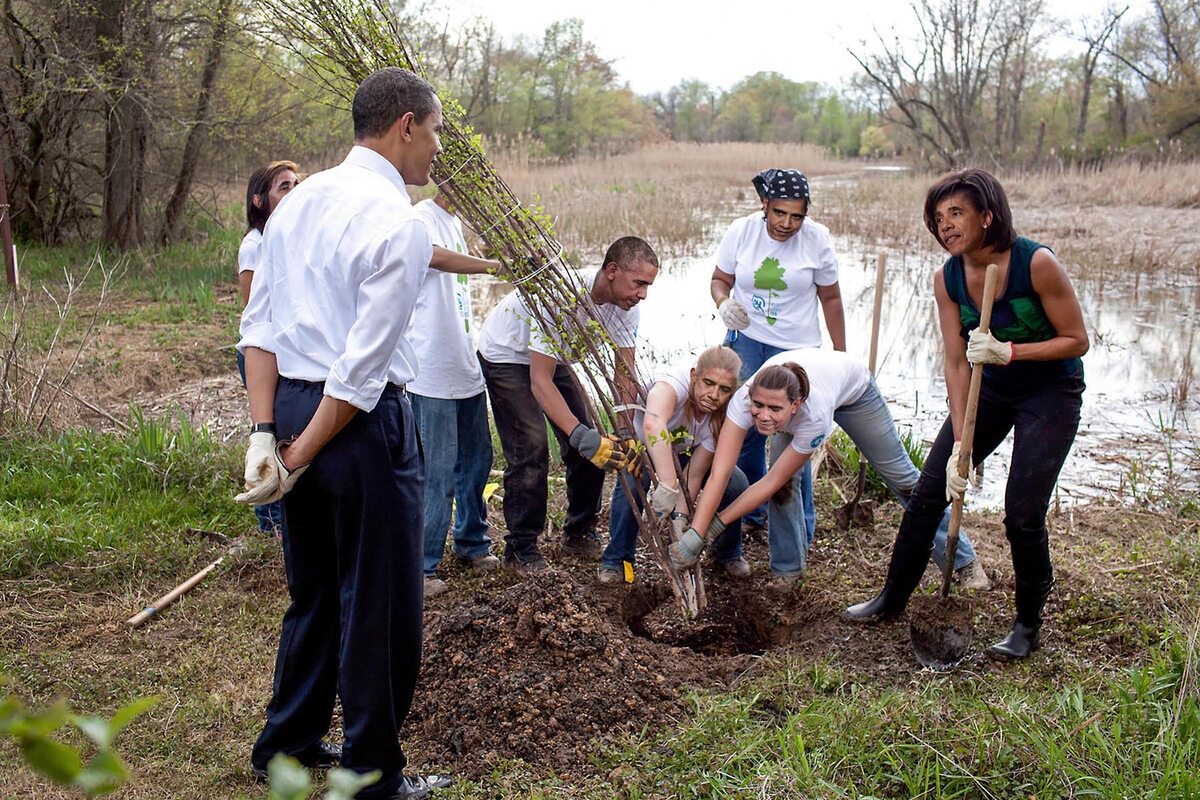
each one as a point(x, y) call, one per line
point(326, 366)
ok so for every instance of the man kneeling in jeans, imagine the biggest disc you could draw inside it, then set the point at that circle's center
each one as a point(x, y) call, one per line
point(530, 380)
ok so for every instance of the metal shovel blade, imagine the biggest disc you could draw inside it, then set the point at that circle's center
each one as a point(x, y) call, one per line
point(940, 631)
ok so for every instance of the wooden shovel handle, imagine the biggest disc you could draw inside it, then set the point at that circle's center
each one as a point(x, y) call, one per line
point(170, 597)
point(968, 429)
point(880, 267)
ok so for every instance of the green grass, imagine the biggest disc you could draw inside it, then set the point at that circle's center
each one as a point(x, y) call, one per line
point(114, 502)
point(847, 454)
point(810, 731)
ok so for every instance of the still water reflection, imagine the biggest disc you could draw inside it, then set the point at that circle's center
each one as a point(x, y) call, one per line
point(1144, 345)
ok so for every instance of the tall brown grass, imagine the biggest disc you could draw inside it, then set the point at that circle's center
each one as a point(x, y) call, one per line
point(669, 194)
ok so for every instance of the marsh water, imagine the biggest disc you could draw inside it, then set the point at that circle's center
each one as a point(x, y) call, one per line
point(1141, 414)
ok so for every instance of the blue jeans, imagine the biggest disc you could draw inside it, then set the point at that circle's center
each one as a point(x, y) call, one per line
point(458, 456)
point(753, 458)
point(270, 516)
point(869, 424)
point(623, 520)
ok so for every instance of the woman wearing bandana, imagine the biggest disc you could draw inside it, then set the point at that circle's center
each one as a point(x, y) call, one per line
point(1032, 385)
point(773, 269)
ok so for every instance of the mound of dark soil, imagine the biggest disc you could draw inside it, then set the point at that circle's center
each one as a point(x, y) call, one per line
point(543, 670)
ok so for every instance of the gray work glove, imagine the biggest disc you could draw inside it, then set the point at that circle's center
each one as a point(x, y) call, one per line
point(285, 479)
point(664, 498)
point(686, 552)
point(956, 483)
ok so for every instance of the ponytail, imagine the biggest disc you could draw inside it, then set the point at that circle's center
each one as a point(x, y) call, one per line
point(788, 376)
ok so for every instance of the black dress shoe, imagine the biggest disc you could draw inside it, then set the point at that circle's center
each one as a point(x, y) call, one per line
point(411, 789)
point(1020, 642)
point(323, 756)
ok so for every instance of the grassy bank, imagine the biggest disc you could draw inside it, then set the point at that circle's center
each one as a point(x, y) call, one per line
point(96, 522)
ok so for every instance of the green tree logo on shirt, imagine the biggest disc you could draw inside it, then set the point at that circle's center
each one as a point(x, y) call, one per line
point(770, 277)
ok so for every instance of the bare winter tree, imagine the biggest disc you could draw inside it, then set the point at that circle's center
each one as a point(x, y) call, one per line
point(1096, 34)
point(938, 85)
point(173, 215)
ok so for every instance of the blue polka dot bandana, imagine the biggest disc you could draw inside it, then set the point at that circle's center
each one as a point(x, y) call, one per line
point(781, 184)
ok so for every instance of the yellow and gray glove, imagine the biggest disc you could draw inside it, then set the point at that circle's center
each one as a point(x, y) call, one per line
point(983, 348)
point(603, 451)
point(956, 482)
point(734, 315)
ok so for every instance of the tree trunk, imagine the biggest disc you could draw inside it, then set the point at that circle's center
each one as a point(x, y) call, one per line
point(126, 30)
point(173, 217)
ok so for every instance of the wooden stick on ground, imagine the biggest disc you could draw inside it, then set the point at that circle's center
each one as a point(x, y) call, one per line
point(138, 619)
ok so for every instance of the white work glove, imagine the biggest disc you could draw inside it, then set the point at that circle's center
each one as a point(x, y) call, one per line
point(261, 476)
point(275, 489)
point(664, 498)
point(956, 483)
point(983, 348)
point(734, 315)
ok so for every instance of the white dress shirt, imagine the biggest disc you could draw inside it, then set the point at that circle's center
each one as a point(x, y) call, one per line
point(440, 329)
point(342, 259)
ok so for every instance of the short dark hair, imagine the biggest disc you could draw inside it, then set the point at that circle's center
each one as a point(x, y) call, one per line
point(388, 94)
point(627, 250)
point(985, 193)
point(260, 184)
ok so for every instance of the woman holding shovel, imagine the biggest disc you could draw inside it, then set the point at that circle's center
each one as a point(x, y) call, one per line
point(774, 269)
point(796, 398)
point(1032, 385)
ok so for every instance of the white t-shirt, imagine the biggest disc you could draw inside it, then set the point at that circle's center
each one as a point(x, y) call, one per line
point(777, 281)
point(440, 329)
point(248, 251)
point(510, 331)
point(835, 379)
point(697, 432)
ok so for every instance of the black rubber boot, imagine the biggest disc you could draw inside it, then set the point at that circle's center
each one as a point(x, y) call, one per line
point(1023, 638)
point(904, 574)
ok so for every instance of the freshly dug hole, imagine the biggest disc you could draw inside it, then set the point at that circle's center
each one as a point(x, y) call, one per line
point(940, 629)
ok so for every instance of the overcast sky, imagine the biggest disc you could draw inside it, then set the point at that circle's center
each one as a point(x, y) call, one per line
point(656, 43)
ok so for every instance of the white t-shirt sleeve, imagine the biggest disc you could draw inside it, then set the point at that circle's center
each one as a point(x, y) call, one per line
point(738, 411)
point(827, 269)
point(248, 251)
point(727, 253)
point(809, 432)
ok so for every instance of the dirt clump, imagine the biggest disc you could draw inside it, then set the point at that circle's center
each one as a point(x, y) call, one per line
point(544, 670)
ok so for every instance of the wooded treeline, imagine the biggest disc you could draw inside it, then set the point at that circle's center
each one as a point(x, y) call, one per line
point(121, 118)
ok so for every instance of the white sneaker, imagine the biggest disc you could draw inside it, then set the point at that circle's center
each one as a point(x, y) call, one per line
point(435, 586)
point(973, 577)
